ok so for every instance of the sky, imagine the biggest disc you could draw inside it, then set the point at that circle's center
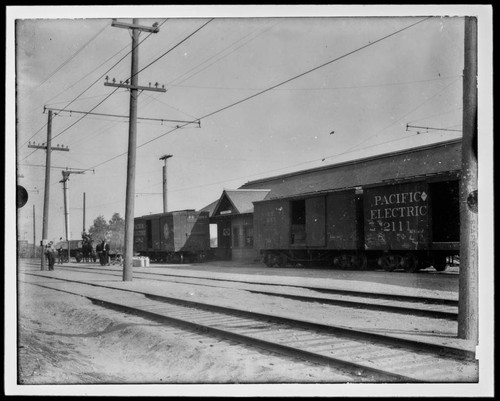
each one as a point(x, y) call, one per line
point(274, 91)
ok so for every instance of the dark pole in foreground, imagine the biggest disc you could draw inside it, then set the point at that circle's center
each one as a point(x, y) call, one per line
point(132, 137)
point(46, 195)
point(468, 279)
point(132, 144)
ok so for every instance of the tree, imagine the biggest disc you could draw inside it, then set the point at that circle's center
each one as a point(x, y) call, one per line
point(99, 230)
point(117, 231)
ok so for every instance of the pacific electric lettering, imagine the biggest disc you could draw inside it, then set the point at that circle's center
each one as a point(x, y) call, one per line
point(403, 197)
point(397, 212)
point(401, 211)
point(398, 206)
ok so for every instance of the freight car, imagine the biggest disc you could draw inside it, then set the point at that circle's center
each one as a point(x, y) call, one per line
point(403, 224)
point(172, 237)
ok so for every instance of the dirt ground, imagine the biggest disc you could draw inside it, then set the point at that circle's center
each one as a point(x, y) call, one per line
point(65, 339)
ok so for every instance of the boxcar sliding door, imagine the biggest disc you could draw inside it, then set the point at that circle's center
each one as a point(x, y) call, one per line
point(315, 221)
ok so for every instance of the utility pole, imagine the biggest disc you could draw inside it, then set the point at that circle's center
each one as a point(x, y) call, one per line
point(132, 137)
point(468, 278)
point(83, 211)
point(64, 180)
point(46, 197)
point(34, 233)
point(165, 157)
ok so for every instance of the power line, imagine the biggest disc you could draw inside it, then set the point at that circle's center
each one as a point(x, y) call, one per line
point(411, 111)
point(279, 84)
point(294, 165)
point(326, 88)
point(148, 65)
point(165, 53)
point(72, 56)
point(437, 114)
point(97, 80)
point(177, 45)
point(220, 58)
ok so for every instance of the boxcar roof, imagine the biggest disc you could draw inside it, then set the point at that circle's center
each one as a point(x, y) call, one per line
point(438, 158)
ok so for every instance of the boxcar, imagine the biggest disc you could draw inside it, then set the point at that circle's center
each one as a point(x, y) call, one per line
point(396, 225)
point(413, 224)
point(173, 236)
point(322, 228)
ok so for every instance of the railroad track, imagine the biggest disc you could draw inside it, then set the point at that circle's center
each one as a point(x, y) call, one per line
point(368, 354)
point(407, 305)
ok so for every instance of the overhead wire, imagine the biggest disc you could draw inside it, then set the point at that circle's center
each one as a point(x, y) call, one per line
point(326, 88)
point(220, 58)
point(97, 80)
point(371, 43)
point(174, 47)
point(142, 69)
point(148, 65)
point(406, 114)
point(72, 56)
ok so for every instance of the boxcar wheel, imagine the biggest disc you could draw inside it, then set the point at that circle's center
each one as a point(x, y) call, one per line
point(361, 262)
point(343, 262)
point(282, 260)
point(440, 267)
point(389, 262)
point(268, 260)
point(410, 263)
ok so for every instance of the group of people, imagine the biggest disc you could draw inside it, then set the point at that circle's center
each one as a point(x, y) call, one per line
point(102, 250)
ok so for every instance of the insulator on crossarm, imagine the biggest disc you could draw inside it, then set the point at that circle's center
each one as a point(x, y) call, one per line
point(107, 78)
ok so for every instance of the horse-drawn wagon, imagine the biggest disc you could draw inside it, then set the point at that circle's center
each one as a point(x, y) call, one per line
point(79, 249)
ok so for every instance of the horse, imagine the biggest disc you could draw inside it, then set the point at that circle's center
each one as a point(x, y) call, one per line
point(87, 250)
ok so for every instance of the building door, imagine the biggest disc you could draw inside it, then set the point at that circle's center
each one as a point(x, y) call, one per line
point(224, 239)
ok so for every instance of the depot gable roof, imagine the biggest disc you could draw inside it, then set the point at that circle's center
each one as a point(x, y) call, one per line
point(237, 201)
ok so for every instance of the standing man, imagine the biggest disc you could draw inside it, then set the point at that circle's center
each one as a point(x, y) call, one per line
point(60, 251)
point(50, 253)
point(105, 251)
point(99, 251)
